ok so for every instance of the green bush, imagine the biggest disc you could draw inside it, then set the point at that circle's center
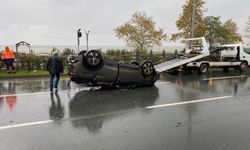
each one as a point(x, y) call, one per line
point(31, 62)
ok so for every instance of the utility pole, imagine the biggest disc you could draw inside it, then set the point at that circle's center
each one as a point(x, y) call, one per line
point(79, 34)
point(87, 38)
point(193, 19)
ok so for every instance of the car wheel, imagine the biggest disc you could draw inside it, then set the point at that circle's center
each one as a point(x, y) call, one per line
point(147, 68)
point(93, 59)
point(243, 67)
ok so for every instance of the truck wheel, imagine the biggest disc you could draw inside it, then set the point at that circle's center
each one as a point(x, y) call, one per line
point(147, 68)
point(203, 68)
point(243, 67)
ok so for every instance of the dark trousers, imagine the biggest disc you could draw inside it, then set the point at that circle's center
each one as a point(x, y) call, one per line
point(52, 76)
point(9, 63)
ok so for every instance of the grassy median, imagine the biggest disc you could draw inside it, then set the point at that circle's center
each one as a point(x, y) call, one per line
point(24, 73)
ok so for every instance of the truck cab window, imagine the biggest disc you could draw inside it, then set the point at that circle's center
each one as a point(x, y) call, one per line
point(247, 50)
point(231, 48)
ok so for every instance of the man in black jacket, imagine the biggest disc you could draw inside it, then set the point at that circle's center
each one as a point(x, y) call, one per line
point(55, 67)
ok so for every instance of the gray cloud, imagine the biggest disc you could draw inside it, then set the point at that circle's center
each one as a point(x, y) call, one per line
point(55, 22)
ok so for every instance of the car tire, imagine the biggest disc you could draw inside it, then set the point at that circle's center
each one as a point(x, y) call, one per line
point(147, 68)
point(203, 68)
point(243, 67)
point(92, 59)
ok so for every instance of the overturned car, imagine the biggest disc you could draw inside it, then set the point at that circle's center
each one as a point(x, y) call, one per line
point(89, 68)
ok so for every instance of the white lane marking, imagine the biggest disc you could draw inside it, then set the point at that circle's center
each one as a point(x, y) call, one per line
point(25, 124)
point(189, 102)
point(149, 107)
point(161, 82)
point(24, 94)
point(220, 78)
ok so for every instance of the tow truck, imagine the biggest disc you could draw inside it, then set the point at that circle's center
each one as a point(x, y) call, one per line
point(235, 56)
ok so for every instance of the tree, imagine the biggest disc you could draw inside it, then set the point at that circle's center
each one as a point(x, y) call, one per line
point(248, 25)
point(140, 32)
point(184, 24)
point(232, 34)
point(216, 32)
point(67, 51)
point(212, 26)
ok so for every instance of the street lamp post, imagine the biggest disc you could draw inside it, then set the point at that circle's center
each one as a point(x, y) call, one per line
point(79, 34)
point(193, 19)
point(87, 38)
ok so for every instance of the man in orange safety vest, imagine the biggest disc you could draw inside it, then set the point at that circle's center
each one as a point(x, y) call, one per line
point(8, 58)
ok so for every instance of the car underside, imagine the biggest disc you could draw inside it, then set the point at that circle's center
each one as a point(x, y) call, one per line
point(90, 69)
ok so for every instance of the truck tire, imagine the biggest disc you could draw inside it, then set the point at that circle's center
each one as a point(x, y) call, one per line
point(243, 67)
point(203, 68)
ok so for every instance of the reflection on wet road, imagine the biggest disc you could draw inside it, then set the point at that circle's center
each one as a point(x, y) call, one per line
point(180, 112)
point(101, 105)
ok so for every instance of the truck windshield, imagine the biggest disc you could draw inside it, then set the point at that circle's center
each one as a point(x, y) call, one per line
point(247, 50)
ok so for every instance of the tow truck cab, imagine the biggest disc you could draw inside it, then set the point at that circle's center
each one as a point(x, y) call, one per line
point(237, 52)
point(232, 56)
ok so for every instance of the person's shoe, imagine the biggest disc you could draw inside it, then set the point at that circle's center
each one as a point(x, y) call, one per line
point(56, 89)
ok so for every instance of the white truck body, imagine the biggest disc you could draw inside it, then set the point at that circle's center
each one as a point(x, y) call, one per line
point(234, 56)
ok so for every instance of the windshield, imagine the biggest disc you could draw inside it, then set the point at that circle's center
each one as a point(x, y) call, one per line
point(247, 50)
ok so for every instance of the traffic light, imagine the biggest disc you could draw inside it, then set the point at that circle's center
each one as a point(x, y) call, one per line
point(79, 34)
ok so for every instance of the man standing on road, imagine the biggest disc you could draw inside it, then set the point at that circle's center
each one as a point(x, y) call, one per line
point(8, 58)
point(55, 67)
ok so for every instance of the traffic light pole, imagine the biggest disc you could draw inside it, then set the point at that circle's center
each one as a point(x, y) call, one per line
point(79, 34)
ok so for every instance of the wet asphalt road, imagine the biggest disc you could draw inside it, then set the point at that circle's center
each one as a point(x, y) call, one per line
point(191, 112)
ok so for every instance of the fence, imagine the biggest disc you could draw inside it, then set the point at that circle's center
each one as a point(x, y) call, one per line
point(33, 62)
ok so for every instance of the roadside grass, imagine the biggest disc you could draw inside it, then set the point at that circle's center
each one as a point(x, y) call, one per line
point(24, 73)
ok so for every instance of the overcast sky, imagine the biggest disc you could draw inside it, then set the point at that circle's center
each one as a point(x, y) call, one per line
point(54, 22)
